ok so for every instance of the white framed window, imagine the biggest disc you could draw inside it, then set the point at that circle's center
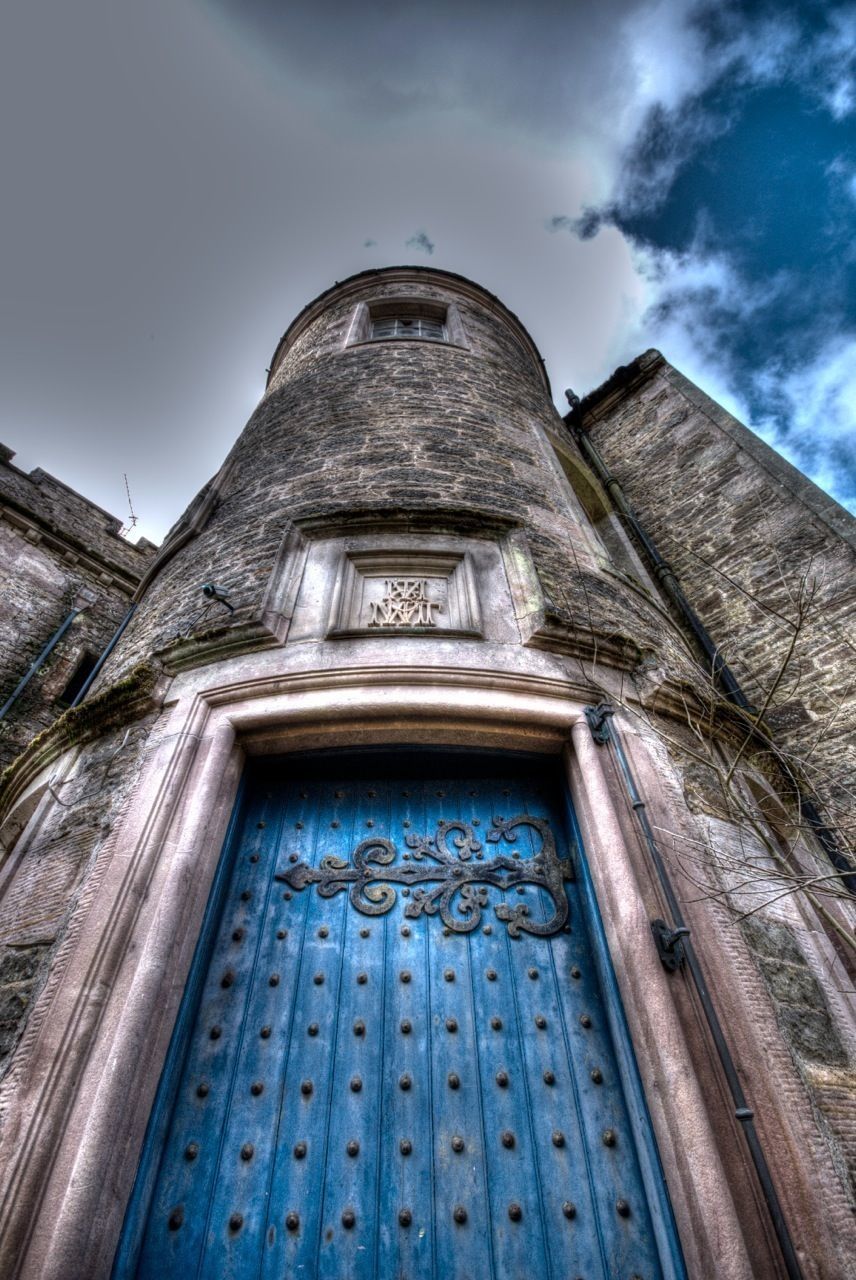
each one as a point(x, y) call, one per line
point(405, 326)
point(394, 319)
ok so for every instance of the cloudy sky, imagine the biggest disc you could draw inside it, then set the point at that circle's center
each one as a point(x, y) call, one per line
point(179, 177)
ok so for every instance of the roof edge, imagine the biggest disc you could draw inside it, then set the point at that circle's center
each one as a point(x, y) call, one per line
point(621, 381)
point(357, 281)
point(586, 412)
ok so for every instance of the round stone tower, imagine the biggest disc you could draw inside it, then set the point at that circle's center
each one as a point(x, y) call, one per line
point(352, 947)
point(404, 408)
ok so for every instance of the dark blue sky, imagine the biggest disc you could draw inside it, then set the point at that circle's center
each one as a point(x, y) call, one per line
point(768, 178)
point(181, 177)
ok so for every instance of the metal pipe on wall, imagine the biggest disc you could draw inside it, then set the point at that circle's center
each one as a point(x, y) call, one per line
point(662, 569)
point(104, 656)
point(38, 662)
point(728, 681)
point(605, 731)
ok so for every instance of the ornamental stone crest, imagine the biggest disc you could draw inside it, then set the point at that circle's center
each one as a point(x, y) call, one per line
point(398, 591)
point(404, 603)
point(461, 878)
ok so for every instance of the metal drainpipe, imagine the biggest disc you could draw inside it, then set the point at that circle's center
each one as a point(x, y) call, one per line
point(730, 686)
point(662, 570)
point(605, 732)
point(105, 655)
point(38, 662)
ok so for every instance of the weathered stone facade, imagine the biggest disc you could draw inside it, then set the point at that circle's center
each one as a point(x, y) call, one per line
point(56, 549)
point(769, 563)
point(435, 435)
point(407, 547)
point(57, 865)
point(764, 556)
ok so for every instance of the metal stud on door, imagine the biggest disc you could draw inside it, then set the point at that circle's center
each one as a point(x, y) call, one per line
point(401, 1064)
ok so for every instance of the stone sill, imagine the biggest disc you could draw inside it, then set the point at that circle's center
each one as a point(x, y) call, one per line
point(406, 342)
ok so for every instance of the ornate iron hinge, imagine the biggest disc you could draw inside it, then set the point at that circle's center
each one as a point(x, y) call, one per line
point(459, 875)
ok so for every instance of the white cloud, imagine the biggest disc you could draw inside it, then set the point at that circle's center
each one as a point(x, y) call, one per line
point(157, 249)
point(680, 295)
point(691, 306)
point(666, 57)
point(819, 404)
point(835, 60)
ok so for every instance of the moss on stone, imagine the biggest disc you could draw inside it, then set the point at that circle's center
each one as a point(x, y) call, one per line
point(768, 938)
point(812, 1035)
point(123, 701)
point(792, 984)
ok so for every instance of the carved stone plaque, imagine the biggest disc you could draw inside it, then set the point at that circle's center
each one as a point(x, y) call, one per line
point(405, 602)
point(405, 592)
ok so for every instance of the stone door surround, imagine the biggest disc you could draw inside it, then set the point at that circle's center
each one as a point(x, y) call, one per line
point(78, 1100)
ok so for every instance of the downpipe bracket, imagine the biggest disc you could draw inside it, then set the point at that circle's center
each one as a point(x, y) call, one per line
point(670, 944)
point(597, 719)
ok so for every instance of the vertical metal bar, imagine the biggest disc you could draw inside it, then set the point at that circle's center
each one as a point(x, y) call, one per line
point(87, 684)
point(662, 571)
point(38, 662)
point(608, 733)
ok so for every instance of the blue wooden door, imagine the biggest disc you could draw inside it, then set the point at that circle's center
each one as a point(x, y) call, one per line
point(400, 1063)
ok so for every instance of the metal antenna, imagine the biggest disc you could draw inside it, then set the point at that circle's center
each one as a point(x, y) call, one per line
point(133, 519)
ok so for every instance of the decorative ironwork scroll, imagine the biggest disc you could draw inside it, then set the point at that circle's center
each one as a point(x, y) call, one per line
point(460, 876)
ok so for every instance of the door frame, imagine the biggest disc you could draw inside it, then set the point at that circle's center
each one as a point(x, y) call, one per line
point(651, 1170)
point(81, 1094)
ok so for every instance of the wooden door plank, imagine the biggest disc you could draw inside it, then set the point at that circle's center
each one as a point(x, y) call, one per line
point(385, 1095)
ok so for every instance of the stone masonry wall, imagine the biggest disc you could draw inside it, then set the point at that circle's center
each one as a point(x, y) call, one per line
point(744, 530)
point(52, 543)
point(390, 427)
point(808, 1026)
point(54, 865)
point(445, 433)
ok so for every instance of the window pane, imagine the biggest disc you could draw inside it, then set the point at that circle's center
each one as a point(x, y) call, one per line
point(431, 328)
point(409, 327)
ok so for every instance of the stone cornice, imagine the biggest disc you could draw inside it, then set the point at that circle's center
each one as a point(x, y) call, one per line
point(39, 531)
